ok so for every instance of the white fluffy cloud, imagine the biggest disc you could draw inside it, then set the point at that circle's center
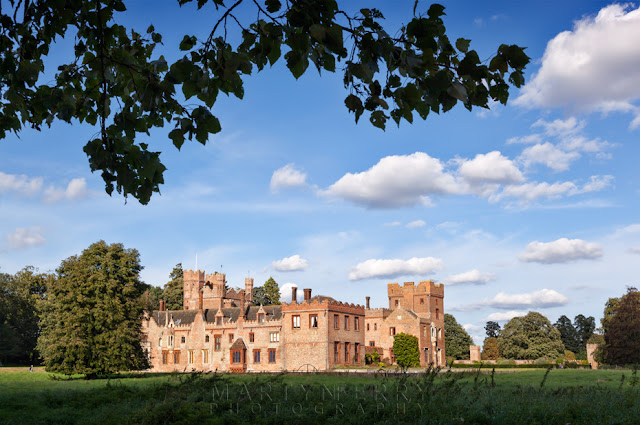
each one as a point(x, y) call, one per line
point(549, 155)
point(532, 191)
point(396, 181)
point(287, 177)
point(492, 167)
point(562, 250)
point(416, 223)
point(474, 276)
point(394, 268)
point(543, 298)
point(504, 316)
point(596, 66)
point(76, 189)
point(290, 264)
point(25, 237)
point(20, 184)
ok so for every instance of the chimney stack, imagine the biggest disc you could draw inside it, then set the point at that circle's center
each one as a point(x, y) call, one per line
point(248, 288)
point(294, 295)
point(307, 294)
point(162, 305)
point(200, 301)
point(368, 299)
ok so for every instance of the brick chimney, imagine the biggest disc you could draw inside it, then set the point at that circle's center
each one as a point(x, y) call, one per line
point(307, 294)
point(200, 300)
point(294, 295)
point(248, 288)
point(368, 299)
point(162, 305)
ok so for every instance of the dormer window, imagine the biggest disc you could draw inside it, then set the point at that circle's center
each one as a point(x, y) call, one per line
point(219, 320)
point(261, 317)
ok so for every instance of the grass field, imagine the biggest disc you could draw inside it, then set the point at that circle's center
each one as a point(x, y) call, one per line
point(566, 396)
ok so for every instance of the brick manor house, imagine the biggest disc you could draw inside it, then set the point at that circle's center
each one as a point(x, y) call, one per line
point(223, 330)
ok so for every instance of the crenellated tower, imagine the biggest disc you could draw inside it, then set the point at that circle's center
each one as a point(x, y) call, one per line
point(193, 283)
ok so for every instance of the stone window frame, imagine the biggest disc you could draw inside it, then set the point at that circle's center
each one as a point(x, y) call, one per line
point(336, 321)
point(217, 342)
point(165, 357)
point(274, 336)
point(206, 338)
point(356, 323)
point(372, 343)
point(183, 339)
point(272, 355)
point(421, 300)
point(261, 317)
point(347, 319)
point(252, 337)
point(205, 356)
point(392, 330)
point(230, 338)
point(375, 326)
point(219, 321)
point(176, 357)
point(295, 321)
point(313, 322)
point(190, 357)
point(368, 327)
point(236, 356)
point(256, 356)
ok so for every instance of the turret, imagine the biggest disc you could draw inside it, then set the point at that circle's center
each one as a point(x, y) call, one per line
point(248, 289)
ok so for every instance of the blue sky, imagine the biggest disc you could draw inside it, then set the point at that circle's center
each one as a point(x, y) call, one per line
point(529, 207)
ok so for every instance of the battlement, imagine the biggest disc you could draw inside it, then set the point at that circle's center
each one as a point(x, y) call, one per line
point(325, 304)
point(426, 287)
point(193, 275)
point(377, 312)
point(216, 278)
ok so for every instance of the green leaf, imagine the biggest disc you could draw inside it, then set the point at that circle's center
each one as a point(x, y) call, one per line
point(273, 5)
point(177, 136)
point(458, 91)
point(435, 11)
point(462, 44)
point(378, 119)
point(188, 42)
point(119, 6)
point(317, 32)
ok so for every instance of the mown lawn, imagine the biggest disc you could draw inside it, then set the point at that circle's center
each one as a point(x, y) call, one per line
point(567, 396)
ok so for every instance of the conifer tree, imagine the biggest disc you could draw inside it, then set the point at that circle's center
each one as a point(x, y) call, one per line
point(456, 339)
point(271, 292)
point(173, 292)
point(91, 317)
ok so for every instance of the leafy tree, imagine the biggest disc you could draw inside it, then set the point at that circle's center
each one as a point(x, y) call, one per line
point(585, 327)
point(259, 297)
point(568, 334)
point(530, 337)
point(492, 328)
point(406, 349)
point(456, 339)
point(610, 308)
point(271, 292)
point(173, 292)
point(19, 321)
point(92, 313)
point(118, 83)
point(622, 338)
point(152, 297)
point(490, 349)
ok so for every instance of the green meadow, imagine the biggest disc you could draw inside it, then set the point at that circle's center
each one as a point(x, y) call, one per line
point(506, 397)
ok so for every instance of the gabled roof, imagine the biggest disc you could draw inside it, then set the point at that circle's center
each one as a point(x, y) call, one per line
point(238, 345)
point(231, 314)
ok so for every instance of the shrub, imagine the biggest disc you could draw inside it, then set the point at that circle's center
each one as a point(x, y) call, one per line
point(406, 350)
point(569, 355)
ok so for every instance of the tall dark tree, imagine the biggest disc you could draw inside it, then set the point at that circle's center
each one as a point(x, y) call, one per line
point(92, 313)
point(610, 308)
point(271, 292)
point(152, 296)
point(585, 327)
point(19, 321)
point(622, 338)
point(492, 329)
point(259, 297)
point(456, 340)
point(116, 80)
point(173, 292)
point(490, 349)
point(568, 334)
point(530, 337)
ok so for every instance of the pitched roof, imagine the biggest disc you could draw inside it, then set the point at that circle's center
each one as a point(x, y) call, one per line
point(231, 314)
point(321, 298)
point(238, 345)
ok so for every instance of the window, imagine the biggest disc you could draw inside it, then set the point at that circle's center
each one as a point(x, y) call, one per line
point(346, 323)
point(205, 356)
point(367, 326)
point(274, 337)
point(219, 320)
point(206, 338)
point(183, 340)
point(295, 321)
point(176, 357)
point(230, 338)
point(313, 321)
point(392, 355)
point(372, 343)
point(261, 317)
point(272, 355)
point(375, 326)
point(159, 342)
point(421, 300)
point(336, 322)
point(437, 313)
point(426, 355)
point(165, 357)
point(190, 357)
point(251, 337)
point(217, 342)
point(336, 352)
point(347, 347)
point(396, 303)
point(170, 340)
point(236, 356)
point(356, 352)
point(433, 332)
point(356, 323)
point(392, 331)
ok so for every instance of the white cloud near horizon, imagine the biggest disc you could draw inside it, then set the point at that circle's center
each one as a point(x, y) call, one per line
point(287, 177)
point(75, 190)
point(21, 184)
point(286, 293)
point(562, 250)
point(22, 238)
point(290, 264)
point(593, 67)
point(544, 298)
point(393, 268)
point(474, 276)
point(504, 316)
